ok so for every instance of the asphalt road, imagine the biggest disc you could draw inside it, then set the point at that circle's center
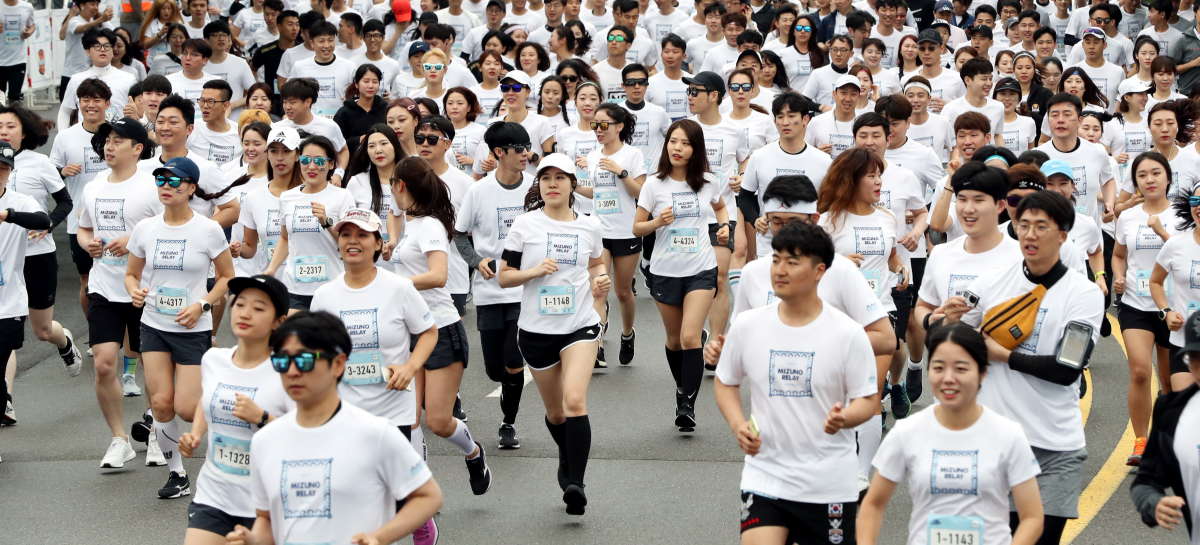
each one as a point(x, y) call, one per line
point(647, 483)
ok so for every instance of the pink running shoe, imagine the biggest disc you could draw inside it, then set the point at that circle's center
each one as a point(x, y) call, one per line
point(427, 534)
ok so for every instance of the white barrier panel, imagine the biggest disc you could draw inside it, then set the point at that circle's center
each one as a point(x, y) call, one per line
point(42, 70)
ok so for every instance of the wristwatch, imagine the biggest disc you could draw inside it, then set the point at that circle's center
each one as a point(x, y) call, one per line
point(263, 422)
point(205, 306)
point(328, 222)
point(624, 174)
point(1162, 314)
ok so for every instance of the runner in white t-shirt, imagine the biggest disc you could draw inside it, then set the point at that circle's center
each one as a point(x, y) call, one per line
point(260, 218)
point(433, 138)
point(1176, 259)
point(255, 166)
point(215, 138)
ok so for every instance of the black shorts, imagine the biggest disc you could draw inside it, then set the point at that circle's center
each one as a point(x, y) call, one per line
point(918, 272)
point(108, 322)
point(495, 317)
point(12, 333)
point(41, 280)
point(904, 303)
point(1146, 320)
point(712, 234)
point(451, 347)
point(543, 351)
point(620, 247)
point(670, 290)
point(805, 522)
point(185, 348)
point(1179, 360)
point(211, 519)
point(211, 283)
point(83, 260)
point(299, 302)
point(460, 303)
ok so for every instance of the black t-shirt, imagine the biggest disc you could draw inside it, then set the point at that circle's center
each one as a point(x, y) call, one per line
point(268, 58)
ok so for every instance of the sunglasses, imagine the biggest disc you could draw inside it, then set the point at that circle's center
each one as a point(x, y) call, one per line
point(804, 28)
point(1193, 201)
point(305, 361)
point(320, 161)
point(432, 139)
point(741, 87)
point(519, 148)
point(637, 81)
point(516, 88)
point(570, 79)
point(1103, 20)
point(1013, 200)
point(616, 38)
point(434, 67)
point(696, 91)
point(173, 181)
point(602, 125)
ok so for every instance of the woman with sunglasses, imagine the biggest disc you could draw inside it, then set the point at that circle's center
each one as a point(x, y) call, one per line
point(574, 72)
point(363, 107)
point(554, 254)
point(759, 126)
point(463, 108)
point(803, 54)
point(423, 219)
point(435, 63)
point(306, 252)
point(371, 171)
point(240, 393)
point(403, 116)
point(169, 259)
point(488, 91)
point(259, 218)
point(1175, 259)
point(577, 141)
point(681, 196)
point(1141, 232)
point(516, 88)
point(352, 457)
point(1172, 125)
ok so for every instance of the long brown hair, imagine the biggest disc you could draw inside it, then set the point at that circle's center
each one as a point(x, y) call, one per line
point(838, 191)
point(697, 166)
point(430, 195)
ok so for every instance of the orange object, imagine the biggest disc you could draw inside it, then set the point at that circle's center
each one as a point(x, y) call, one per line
point(126, 7)
point(402, 9)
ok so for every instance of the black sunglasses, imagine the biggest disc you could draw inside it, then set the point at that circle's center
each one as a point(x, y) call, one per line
point(741, 87)
point(637, 81)
point(570, 79)
point(519, 148)
point(516, 87)
point(305, 361)
point(432, 139)
point(696, 91)
point(1014, 200)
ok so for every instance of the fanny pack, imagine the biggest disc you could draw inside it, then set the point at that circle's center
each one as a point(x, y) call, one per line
point(1012, 321)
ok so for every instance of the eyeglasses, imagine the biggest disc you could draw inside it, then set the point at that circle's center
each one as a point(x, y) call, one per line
point(102, 47)
point(570, 79)
point(515, 88)
point(173, 181)
point(210, 102)
point(373, 36)
point(697, 91)
point(305, 361)
point(519, 148)
point(1103, 20)
point(1039, 230)
point(191, 54)
point(839, 50)
point(616, 38)
point(218, 36)
point(637, 81)
point(434, 67)
point(602, 125)
point(1193, 201)
point(320, 161)
point(432, 139)
point(741, 87)
point(804, 28)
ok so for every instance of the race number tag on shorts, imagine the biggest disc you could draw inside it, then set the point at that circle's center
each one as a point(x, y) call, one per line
point(954, 530)
point(170, 300)
point(683, 239)
point(231, 455)
point(364, 367)
point(1, 273)
point(1143, 284)
point(311, 268)
point(607, 202)
point(556, 300)
point(1081, 209)
point(874, 280)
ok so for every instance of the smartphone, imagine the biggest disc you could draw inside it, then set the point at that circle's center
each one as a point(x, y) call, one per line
point(754, 426)
point(1073, 350)
point(971, 299)
point(492, 265)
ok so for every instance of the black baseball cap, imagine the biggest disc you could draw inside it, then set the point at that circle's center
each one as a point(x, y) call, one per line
point(707, 79)
point(126, 127)
point(1008, 84)
point(982, 30)
point(930, 35)
point(7, 154)
point(499, 4)
point(269, 284)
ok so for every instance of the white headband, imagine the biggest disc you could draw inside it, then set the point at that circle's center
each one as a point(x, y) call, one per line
point(800, 207)
point(918, 84)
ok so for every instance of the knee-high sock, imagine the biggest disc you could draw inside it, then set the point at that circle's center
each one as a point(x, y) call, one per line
point(510, 395)
point(559, 433)
point(870, 434)
point(692, 372)
point(461, 437)
point(168, 441)
point(579, 444)
point(418, 443)
point(675, 360)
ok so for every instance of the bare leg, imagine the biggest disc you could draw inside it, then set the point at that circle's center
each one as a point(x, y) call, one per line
point(718, 314)
point(108, 390)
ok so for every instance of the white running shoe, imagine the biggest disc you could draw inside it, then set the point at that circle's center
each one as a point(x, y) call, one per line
point(89, 352)
point(72, 360)
point(9, 418)
point(129, 386)
point(119, 452)
point(864, 482)
point(154, 455)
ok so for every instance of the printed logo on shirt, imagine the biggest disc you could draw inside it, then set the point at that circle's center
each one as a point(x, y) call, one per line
point(926, 141)
point(1031, 341)
point(1012, 139)
point(958, 284)
point(327, 87)
point(505, 215)
point(1080, 175)
point(869, 241)
point(1194, 277)
point(92, 161)
point(885, 200)
point(790, 373)
point(563, 248)
point(220, 154)
point(168, 254)
point(841, 142)
point(1102, 83)
point(803, 66)
point(641, 134)
point(417, 468)
point(715, 149)
point(223, 401)
point(305, 488)
point(303, 220)
point(604, 178)
point(1147, 239)
point(110, 215)
point(954, 472)
point(274, 228)
point(363, 327)
point(677, 102)
point(789, 172)
point(684, 204)
point(1135, 142)
point(193, 95)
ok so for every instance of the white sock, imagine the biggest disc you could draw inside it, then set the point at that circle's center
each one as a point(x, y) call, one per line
point(462, 437)
point(418, 443)
point(915, 365)
point(735, 278)
point(168, 441)
point(870, 434)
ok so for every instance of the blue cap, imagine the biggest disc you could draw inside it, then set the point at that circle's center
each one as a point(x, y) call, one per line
point(1058, 166)
point(182, 167)
point(417, 47)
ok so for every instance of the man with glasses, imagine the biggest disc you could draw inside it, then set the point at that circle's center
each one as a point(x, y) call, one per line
point(609, 70)
point(821, 83)
point(652, 120)
point(642, 48)
point(374, 33)
point(217, 139)
point(334, 74)
point(73, 29)
point(233, 70)
point(98, 45)
point(189, 82)
point(944, 84)
point(1118, 49)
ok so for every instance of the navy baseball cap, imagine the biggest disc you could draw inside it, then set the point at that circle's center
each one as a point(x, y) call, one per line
point(182, 167)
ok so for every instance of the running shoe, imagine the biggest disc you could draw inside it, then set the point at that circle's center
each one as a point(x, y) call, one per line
point(626, 354)
point(685, 416)
point(10, 415)
point(177, 486)
point(89, 352)
point(575, 499)
point(703, 343)
point(600, 363)
point(129, 386)
point(480, 475)
point(70, 355)
point(1139, 447)
point(508, 437)
point(912, 384)
point(564, 470)
point(140, 431)
point(119, 452)
point(900, 404)
point(1082, 386)
point(459, 413)
point(154, 454)
point(427, 534)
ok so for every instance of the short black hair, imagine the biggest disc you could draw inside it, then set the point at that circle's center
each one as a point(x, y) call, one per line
point(374, 25)
point(1030, 14)
point(1033, 157)
point(301, 88)
point(750, 37)
point(674, 40)
point(199, 46)
point(1163, 6)
point(715, 7)
point(276, 5)
point(633, 67)
point(976, 176)
point(96, 88)
point(975, 67)
point(216, 27)
point(1113, 12)
point(156, 84)
point(872, 119)
point(982, 154)
point(355, 21)
point(320, 331)
point(1037, 34)
point(439, 32)
point(803, 239)
point(1060, 98)
point(439, 123)
point(1054, 205)
point(624, 6)
point(285, 14)
point(858, 19)
point(505, 133)
point(794, 101)
point(92, 37)
point(790, 189)
point(135, 91)
point(895, 107)
point(186, 108)
point(322, 28)
point(984, 8)
point(220, 85)
point(623, 29)
point(310, 18)
point(963, 335)
point(1015, 4)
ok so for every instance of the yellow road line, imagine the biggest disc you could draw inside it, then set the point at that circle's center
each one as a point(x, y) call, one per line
point(1112, 474)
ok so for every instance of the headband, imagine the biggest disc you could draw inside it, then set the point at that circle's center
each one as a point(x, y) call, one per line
point(918, 85)
point(998, 158)
point(800, 207)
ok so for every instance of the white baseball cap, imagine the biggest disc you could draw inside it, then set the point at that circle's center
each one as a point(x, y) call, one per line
point(365, 219)
point(517, 76)
point(286, 136)
point(556, 160)
point(845, 80)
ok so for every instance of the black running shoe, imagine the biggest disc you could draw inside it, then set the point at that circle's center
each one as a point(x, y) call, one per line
point(575, 499)
point(459, 413)
point(177, 486)
point(1105, 327)
point(912, 384)
point(1082, 386)
point(900, 403)
point(9, 416)
point(508, 437)
point(685, 416)
point(626, 355)
point(564, 470)
point(600, 363)
point(480, 475)
point(140, 431)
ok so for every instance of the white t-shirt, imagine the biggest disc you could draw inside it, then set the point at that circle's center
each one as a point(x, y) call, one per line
point(946, 86)
point(421, 236)
point(681, 248)
point(212, 180)
point(1164, 39)
point(224, 480)
point(14, 300)
point(488, 99)
point(958, 473)
point(334, 78)
point(242, 266)
point(76, 59)
point(575, 143)
point(222, 148)
point(1092, 168)
point(327, 483)
point(874, 237)
point(1020, 135)
point(1180, 257)
point(380, 318)
point(1129, 137)
point(758, 128)
point(650, 131)
point(319, 125)
point(826, 129)
point(236, 72)
point(177, 261)
point(111, 210)
point(1049, 413)
point(614, 206)
point(561, 302)
point(688, 29)
point(726, 146)
point(292, 56)
point(1107, 78)
point(118, 82)
point(313, 257)
point(1086, 235)
point(35, 176)
point(924, 162)
point(933, 133)
point(797, 66)
point(386, 64)
point(190, 88)
point(359, 187)
point(465, 140)
point(950, 269)
point(16, 19)
point(819, 86)
point(902, 191)
point(770, 162)
point(487, 212)
point(260, 212)
point(1142, 245)
point(539, 131)
point(795, 376)
point(457, 183)
point(841, 287)
point(610, 82)
point(74, 146)
point(993, 109)
point(659, 25)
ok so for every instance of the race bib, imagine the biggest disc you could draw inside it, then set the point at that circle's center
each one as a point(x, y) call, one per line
point(230, 455)
point(310, 268)
point(954, 530)
point(607, 202)
point(170, 300)
point(109, 258)
point(556, 300)
point(269, 246)
point(327, 113)
point(12, 29)
point(1143, 284)
point(874, 280)
point(364, 367)
point(683, 239)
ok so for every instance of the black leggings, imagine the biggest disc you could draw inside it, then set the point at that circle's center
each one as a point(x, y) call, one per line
point(500, 352)
point(1052, 528)
point(13, 81)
